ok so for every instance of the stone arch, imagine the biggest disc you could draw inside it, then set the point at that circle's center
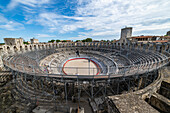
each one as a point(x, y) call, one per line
point(35, 47)
point(1, 50)
point(39, 47)
point(43, 47)
point(21, 48)
point(122, 45)
point(26, 48)
point(8, 48)
point(160, 50)
point(30, 47)
point(15, 49)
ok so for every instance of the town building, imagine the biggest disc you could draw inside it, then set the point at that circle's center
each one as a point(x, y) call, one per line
point(168, 33)
point(34, 41)
point(13, 41)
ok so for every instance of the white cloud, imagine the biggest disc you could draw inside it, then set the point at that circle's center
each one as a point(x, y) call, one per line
point(45, 36)
point(31, 3)
point(10, 25)
point(101, 18)
point(104, 16)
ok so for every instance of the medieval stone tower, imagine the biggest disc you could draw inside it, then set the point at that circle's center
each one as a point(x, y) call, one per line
point(125, 33)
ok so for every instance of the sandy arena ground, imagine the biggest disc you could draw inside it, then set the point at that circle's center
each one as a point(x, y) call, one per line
point(80, 66)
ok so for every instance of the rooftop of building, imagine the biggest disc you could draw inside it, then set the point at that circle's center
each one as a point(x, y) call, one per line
point(143, 36)
point(127, 28)
point(13, 38)
point(162, 41)
point(149, 36)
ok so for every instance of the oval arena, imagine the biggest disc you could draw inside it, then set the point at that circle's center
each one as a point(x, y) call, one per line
point(99, 64)
point(70, 74)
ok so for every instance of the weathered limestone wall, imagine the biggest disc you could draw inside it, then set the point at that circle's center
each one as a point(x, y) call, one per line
point(41, 46)
point(13, 41)
point(131, 103)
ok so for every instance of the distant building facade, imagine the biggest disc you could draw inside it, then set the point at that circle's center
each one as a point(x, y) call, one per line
point(126, 37)
point(28, 42)
point(146, 39)
point(125, 34)
point(34, 41)
point(66, 40)
point(168, 33)
point(13, 41)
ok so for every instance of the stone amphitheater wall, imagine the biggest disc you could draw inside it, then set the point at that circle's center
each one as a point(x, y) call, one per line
point(6, 49)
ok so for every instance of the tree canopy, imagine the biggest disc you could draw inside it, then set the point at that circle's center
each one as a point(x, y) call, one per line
point(51, 41)
point(26, 43)
point(87, 40)
point(64, 41)
point(57, 40)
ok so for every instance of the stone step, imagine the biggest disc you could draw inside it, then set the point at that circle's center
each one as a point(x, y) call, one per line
point(165, 88)
point(160, 102)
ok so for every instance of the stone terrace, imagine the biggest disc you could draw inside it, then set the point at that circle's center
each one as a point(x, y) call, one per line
point(131, 103)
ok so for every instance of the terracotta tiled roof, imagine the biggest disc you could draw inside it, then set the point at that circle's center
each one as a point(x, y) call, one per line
point(161, 41)
point(165, 37)
point(143, 36)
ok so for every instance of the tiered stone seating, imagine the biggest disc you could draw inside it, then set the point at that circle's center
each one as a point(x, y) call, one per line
point(111, 60)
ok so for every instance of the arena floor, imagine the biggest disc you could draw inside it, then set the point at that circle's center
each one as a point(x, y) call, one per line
point(80, 66)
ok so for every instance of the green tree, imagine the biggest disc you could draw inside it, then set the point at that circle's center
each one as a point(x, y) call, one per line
point(77, 40)
point(51, 41)
point(64, 41)
point(88, 39)
point(26, 43)
point(57, 40)
point(84, 40)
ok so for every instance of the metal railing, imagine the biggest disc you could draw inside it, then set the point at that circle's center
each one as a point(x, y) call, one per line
point(57, 72)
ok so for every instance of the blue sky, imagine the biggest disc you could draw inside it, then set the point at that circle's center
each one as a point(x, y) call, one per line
point(79, 19)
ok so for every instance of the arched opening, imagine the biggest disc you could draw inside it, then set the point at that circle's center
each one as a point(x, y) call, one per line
point(20, 48)
point(160, 49)
point(8, 48)
point(122, 45)
point(43, 47)
point(26, 48)
point(35, 47)
point(38, 46)
point(30, 47)
point(15, 48)
point(118, 44)
point(1, 49)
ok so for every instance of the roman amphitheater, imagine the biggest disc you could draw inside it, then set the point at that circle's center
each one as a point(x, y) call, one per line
point(104, 77)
